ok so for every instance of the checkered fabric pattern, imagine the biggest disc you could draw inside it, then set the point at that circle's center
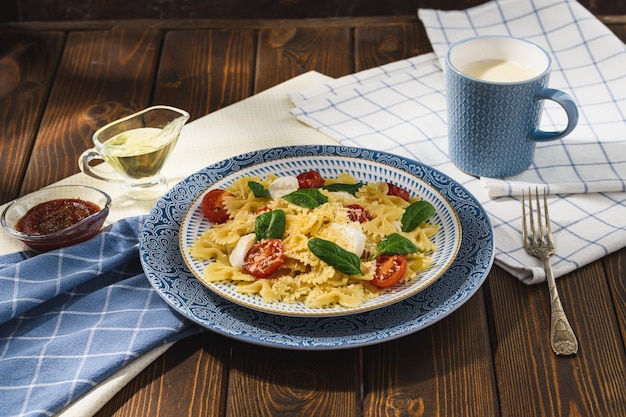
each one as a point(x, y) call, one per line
point(70, 318)
point(401, 108)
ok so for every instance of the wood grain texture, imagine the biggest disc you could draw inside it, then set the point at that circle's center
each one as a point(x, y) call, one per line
point(27, 67)
point(444, 370)
point(204, 70)
point(530, 375)
point(376, 45)
point(165, 388)
point(615, 266)
point(245, 9)
point(101, 77)
point(274, 382)
point(285, 52)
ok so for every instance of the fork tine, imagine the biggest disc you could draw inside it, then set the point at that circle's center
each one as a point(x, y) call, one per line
point(524, 227)
point(541, 236)
point(533, 237)
point(547, 214)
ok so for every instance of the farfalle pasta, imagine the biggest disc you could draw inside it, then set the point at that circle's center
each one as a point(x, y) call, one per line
point(349, 223)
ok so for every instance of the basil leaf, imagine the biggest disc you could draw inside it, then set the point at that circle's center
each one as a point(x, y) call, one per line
point(415, 214)
point(270, 224)
point(348, 188)
point(395, 244)
point(306, 197)
point(335, 256)
point(258, 190)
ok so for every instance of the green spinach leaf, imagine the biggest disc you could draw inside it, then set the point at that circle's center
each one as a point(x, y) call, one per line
point(306, 197)
point(258, 190)
point(270, 224)
point(335, 256)
point(348, 188)
point(394, 244)
point(415, 214)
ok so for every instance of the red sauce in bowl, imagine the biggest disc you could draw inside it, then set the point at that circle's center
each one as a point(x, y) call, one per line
point(54, 215)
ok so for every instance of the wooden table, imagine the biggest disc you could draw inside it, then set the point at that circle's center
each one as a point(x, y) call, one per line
point(60, 81)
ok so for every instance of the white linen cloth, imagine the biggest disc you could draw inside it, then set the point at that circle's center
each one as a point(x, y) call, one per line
point(401, 108)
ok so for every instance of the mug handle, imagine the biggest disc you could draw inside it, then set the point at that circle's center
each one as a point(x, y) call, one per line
point(84, 163)
point(568, 105)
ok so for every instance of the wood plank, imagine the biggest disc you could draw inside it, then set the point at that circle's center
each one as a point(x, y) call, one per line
point(230, 24)
point(615, 265)
point(233, 9)
point(530, 376)
point(249, 9)
point(270, 382)
point(213, 70)
point(285, 52)
point(444, 370)
point(27, 63)
point(102, 75)
point(380, 44)
point(189, 379)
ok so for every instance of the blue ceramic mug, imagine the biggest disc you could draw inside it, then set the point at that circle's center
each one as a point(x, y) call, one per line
point(496, 86)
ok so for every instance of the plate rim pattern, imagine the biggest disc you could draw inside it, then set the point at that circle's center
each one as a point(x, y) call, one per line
point(169, 276)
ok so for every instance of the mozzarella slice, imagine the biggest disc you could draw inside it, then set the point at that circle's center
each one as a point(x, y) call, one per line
point(354, 237)
point(242, 247)
point(282, 186)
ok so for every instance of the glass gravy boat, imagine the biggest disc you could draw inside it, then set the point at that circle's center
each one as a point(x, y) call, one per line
point(134, 149)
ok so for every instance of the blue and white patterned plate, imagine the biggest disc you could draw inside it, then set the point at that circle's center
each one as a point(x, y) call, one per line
point(169, 275)
point(448, 238)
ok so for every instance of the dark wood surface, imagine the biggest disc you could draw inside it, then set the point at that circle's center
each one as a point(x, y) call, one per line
point(54, 10)
point(60, 81)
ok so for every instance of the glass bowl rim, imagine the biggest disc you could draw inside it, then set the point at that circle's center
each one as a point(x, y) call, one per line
point(104, 209)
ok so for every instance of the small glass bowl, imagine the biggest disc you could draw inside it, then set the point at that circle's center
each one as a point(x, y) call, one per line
point(78, 232)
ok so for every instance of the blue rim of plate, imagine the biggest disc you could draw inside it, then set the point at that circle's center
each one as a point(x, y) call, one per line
point(447, 239)
point(169, 275)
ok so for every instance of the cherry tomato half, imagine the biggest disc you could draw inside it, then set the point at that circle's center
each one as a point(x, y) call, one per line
point(397, 191)
point(264, 258)
point(389, 270)
point(213, 206)
point(357, 213)
point(310, 179)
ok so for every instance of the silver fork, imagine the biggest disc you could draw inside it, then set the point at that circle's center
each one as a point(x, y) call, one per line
point(540, 244)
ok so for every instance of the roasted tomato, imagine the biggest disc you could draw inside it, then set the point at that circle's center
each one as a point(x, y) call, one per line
point(213, 206)
point(398, 191)
point(389, 270)
point(310, 179)
point(356, 213)
point(264, 258)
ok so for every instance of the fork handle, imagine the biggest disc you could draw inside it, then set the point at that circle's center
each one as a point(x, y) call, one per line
point(562, 336)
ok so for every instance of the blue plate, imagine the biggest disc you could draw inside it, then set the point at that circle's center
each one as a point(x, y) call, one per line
point(169, 275)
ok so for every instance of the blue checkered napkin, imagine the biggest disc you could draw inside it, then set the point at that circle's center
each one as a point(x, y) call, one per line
point(400, 108)
point(71, 317)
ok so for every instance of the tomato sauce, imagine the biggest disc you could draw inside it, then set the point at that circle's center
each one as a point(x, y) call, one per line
point(54, 215)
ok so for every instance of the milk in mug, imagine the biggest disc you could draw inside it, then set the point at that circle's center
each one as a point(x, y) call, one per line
point(498, 70)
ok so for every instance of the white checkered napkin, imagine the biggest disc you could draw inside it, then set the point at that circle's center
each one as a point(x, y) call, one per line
point(71, 317)
point(588, 64)
point(400, 108)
